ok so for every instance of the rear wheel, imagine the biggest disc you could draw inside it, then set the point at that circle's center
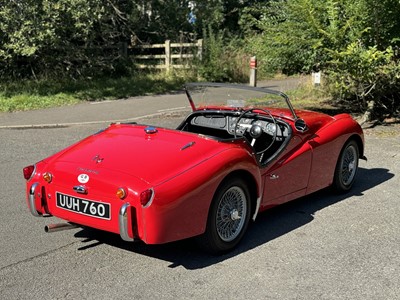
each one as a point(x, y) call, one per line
point(228, 217)
point(346, 167)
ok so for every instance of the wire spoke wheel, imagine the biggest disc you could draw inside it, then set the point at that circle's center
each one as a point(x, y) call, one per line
point(228, 217)
point(346, 167)
point(231, 213)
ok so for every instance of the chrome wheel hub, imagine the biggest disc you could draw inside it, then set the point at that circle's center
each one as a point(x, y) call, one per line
point(235, 215)
point(351, 166)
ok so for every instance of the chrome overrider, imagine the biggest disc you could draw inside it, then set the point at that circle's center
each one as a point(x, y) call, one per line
point(32, 205)
point(123, 223)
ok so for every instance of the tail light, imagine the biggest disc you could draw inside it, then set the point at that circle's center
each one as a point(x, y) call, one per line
point(29, 171)
point(146, 197)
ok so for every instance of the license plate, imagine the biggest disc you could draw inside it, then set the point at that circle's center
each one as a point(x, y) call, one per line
point(83, 206)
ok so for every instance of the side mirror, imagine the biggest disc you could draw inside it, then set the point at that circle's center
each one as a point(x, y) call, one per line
point(300, 125)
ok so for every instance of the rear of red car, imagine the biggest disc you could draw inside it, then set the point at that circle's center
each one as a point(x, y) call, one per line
point(84, 196)
point(151, 185)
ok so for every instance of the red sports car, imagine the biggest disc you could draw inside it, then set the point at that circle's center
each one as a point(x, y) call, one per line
point(239, 152)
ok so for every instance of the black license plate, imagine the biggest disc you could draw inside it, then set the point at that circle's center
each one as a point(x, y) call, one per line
point(83, 206)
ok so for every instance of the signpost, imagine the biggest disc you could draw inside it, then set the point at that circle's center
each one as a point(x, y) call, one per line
point(253, 71)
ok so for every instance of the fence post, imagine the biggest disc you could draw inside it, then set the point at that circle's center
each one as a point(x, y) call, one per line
point(168, 54)
point(200, 49)
point(253, 71)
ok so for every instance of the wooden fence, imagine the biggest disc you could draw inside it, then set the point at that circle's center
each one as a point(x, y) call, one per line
point(165, 56)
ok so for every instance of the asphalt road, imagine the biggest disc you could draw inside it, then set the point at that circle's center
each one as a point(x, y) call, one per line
point(323, 246)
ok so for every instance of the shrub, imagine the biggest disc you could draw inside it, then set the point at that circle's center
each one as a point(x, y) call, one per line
point(365, 79)
point(223, 58)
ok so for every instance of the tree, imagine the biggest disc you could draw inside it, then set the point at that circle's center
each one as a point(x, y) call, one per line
point(61, 36)
point(81, 37)
point(352, 41)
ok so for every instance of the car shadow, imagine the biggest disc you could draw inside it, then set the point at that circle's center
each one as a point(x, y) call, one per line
point(268, 226)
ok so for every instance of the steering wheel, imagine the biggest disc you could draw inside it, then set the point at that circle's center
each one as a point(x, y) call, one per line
point(255, 130)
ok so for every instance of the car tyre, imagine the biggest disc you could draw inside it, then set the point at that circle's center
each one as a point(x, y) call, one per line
point(228, 217)
point(346, 167)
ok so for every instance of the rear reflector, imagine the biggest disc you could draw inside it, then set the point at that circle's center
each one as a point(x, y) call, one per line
point(146, 197)
point(28, 172)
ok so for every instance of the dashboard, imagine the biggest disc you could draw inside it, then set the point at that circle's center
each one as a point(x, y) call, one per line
point(229, 123)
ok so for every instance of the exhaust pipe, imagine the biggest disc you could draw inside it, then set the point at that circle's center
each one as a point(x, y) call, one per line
point(58, 227)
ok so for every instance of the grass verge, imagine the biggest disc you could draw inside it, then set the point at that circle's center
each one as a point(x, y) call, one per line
point(36, 94)
point(306, 96)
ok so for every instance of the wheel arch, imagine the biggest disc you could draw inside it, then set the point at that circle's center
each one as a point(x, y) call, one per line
point(359, 142)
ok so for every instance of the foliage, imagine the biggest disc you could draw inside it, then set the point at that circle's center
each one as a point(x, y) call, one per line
point(351, 41)
point(71, 37)
point(154, 21)
point(365, 79)
point(354, 42)
point(222, 61)
point(75, 38)
point(297, 35)
point(220, 15)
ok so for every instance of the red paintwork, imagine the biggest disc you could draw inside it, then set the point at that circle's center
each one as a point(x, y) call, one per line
point(309, 161)
point(185, 180)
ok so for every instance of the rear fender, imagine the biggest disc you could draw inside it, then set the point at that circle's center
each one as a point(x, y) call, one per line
point(327, 144)
point(180, 206)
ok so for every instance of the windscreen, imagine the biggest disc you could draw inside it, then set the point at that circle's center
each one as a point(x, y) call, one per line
point(211, 95)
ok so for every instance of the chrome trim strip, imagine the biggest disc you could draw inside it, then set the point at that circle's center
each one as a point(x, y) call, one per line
point(188, 145)
point(151, 199)
point(33, 173)
point(123, 223)
point(32, 205)
point(257, 208)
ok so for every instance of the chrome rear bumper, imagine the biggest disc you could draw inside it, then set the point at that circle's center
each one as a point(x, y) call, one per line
point(31, 198)
point(123, 222)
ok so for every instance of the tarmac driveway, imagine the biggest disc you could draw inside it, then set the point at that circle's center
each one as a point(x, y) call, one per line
point(322, 246)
